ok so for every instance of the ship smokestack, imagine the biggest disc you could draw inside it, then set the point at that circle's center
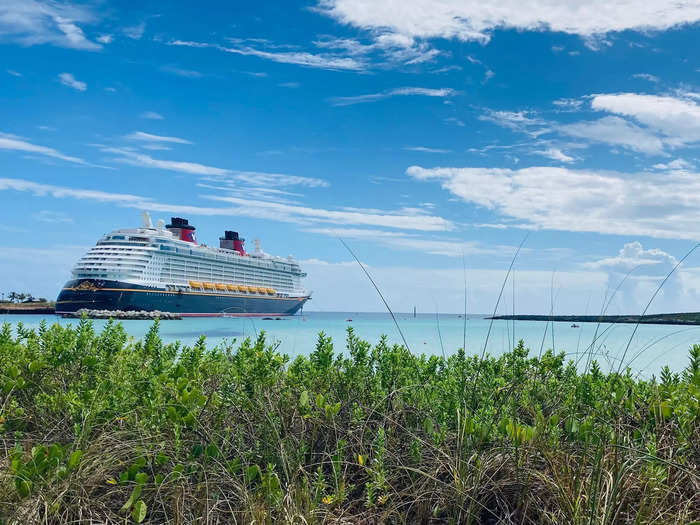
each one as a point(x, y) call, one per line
point(231, 241)
point(182, 229)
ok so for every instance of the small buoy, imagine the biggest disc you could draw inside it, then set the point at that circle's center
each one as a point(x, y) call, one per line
point(349, 320)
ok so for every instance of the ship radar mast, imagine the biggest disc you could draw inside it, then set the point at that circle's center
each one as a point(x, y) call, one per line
point(146, 220)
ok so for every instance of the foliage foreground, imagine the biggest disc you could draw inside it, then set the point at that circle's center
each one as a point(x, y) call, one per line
point(98, 428)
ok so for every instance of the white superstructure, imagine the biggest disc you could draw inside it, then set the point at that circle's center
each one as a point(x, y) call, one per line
point(157, 257)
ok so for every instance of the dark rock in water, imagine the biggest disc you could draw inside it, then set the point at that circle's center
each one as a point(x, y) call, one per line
point(119, 314)
point(267, 318)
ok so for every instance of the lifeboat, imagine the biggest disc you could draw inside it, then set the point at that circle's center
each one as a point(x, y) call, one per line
point(232, 287)
point(221, 286)
point(270, 291)
point(195, 284)
point(208, 286)
point(262, 290)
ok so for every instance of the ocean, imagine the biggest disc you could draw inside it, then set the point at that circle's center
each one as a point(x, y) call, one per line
point(651, 347)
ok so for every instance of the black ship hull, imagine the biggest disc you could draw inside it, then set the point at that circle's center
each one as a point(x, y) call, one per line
point(92, 294)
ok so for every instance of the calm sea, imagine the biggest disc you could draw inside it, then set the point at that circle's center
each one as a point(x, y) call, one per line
point(652, 347)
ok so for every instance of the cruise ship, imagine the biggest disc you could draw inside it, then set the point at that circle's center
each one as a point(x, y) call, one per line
point(164, 268)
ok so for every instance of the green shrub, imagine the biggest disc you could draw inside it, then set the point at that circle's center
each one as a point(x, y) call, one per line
point(101, 428)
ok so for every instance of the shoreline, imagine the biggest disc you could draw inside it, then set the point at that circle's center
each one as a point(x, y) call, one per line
point(688, 319)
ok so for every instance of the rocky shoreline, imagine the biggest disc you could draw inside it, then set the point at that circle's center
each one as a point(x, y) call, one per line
point(124, 315)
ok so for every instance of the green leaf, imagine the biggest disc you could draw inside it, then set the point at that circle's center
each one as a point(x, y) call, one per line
point(74, 459)
point(252, 472)
point(35, 366)
point(304, 400)
point(141, 478)
point(90, 361)
point(172, 414)
point(56, 451)
point(135, 495)
point(665, 409)
point(139, 512)
point(24, 487)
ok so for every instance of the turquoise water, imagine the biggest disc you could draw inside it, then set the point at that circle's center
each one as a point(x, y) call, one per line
point(652, 347)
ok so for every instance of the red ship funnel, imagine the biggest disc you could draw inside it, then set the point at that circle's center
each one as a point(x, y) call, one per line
point(231, 241)
point(182, 229)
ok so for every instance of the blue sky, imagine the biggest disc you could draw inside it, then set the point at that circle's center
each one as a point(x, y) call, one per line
point(424, 135)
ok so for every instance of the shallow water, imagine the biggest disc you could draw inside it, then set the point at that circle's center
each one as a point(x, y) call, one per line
point(652, 347)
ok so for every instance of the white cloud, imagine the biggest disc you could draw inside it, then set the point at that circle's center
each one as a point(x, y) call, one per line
point(35, 22)
point(105, 39)
point(67, 79)
point(243, 207)
point(291, 85)
point(60, 192)
point(52, 217)
point(569, 104)
point(522, 121)
point(323, 61)
point(402, 91)
point(476, 20)
point(555, 154)
point(142, 160)
point(633, 255)
point(156, 147)
point(14, 73)
point(387, 219)
point(654, 204)
point(135, 32)
point(152, 115)
point(12, 142)
point(616, 131)
point(646, 76)
point(649, 124)
point(187, 73)
point(674, 165)
point(415, 243)
point(454, 120)
point(394, 49)
point(148, 137)
point(423, 149)
point(257, 178)
point(642, 270)
point(677, 119)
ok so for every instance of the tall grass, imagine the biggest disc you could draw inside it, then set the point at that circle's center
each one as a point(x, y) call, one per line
point(98, 428)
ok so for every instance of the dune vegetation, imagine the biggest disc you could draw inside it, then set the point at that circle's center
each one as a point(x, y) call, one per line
point(99, 428)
